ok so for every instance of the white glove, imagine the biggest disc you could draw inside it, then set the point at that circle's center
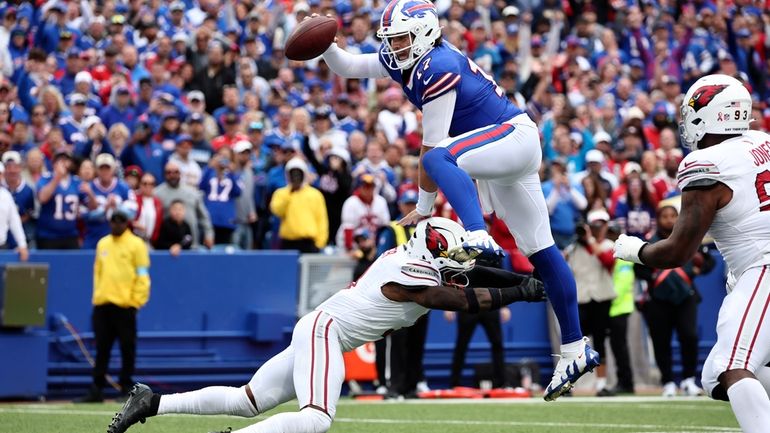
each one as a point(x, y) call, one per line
point(628, 247)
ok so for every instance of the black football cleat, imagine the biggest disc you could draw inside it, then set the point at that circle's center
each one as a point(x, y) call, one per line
point(227, 430)
point(136, 409)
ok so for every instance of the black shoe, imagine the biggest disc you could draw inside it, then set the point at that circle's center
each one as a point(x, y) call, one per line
point(136, 409)
point(624, 389)
point(605, 392)
point(228, 430)
point(94, 396)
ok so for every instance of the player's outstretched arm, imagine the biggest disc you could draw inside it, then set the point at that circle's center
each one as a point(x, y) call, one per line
point(471, 300)
point(349, 65)
point(699, 207)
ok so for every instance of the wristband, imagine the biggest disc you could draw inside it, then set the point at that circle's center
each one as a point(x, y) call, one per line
point(473, 302)
point(497, 298)
point(425, 202)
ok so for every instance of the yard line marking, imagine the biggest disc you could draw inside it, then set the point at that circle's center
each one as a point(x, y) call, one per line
point(709, 429)
point(537, 400)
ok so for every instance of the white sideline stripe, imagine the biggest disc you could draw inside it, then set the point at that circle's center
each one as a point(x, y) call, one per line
point(710, 429)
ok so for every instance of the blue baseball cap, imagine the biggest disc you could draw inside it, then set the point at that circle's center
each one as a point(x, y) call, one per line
point(184, 137)
point(195, 117)
point(256, 126)
point(408, 197)
point(273, 141)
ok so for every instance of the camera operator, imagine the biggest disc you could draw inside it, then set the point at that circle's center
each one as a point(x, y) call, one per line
point(592, 262)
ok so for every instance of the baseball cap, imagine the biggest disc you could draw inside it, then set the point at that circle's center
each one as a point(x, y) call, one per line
point(179, 37)
point(169, 114)
point(12, 156)
point(231, 118)
point(176, 6)
point(602, 136)
point(635, 113)
point(195, 117)
point(105, 159)
point(366, 179)
point(133, 170)
point(256, 126)
point(241, 146)
point(119, 214)
point(83, 77)
point(165, 97)
point(408, 197)
point(91, 121)
point(743, 33)
point(118, 19)
point(631, 167)
point(73, 53)
point(322, 112)
point(636, 63)
point(122, 89)
point(273, 141)
point(597, 215)
point(510, 11)
point(341, 153)
point(77, 98)
point(594, 155)
point(183, 137)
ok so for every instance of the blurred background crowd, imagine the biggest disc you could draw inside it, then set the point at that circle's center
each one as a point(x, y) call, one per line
point(188, 115)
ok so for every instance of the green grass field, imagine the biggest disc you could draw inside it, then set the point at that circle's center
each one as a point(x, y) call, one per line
point(573, 415)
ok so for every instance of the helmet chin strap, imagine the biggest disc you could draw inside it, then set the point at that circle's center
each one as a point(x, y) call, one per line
point(455, 278)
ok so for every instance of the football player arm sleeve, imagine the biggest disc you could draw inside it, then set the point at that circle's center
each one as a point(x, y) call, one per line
point(436, 120)
point(471, 300)
point(349, 65)
point(699, 206)
point(483, 276)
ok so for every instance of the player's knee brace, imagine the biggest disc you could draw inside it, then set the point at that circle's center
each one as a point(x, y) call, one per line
point(315, 420)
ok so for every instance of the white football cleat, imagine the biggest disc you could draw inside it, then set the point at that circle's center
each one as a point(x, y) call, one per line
point(689, 387)
point(569, 369)
point(478, 243)
point(669, 390)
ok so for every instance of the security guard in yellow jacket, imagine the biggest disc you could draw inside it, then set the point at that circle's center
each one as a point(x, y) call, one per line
point(121, 287)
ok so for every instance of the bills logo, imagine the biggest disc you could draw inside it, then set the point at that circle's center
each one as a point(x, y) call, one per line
point(703, 96)
point(418, 9)
point(435, 242)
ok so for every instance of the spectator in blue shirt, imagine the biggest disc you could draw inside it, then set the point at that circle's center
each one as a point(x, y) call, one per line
point(60, 195)
point(143, 151)
point(120, 108)
point(23, 196)
point(110, 194)
point(221, 188)
point(565, 203)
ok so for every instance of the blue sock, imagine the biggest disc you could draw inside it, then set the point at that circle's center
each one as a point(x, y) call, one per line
point(456, 185)
point(561, 289)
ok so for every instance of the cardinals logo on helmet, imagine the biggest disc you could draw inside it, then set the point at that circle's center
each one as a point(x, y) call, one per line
point(435, 242)
point(704, 95)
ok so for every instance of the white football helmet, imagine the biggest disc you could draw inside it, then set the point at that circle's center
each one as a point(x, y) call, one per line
point(431, 241)
point(416, 18)
point(715, 104)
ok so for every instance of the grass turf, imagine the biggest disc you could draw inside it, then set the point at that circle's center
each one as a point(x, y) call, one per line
point(574, 415)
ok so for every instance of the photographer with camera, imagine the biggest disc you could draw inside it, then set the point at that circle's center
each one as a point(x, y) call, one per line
point(591, 260)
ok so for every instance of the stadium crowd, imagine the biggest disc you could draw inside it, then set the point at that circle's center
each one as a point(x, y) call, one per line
point(188, 115)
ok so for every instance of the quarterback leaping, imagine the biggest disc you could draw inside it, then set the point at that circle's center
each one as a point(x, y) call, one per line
point(399, 287)
point(471, 130)
point(725, 185)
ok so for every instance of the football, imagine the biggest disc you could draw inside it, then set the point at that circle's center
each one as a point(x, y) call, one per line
point(311, 38)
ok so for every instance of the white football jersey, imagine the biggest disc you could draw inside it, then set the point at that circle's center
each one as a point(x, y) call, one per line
point(741, 229)
point(364, 314)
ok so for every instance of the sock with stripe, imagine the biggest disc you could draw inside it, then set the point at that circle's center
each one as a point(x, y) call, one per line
point(561, 289)
point(307, 420)
point(456, 185)
point(214, 400)
point(751, 405)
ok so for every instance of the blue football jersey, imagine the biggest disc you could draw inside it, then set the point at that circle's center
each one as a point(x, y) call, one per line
point(58, 217)
point(219, 197)
point(480, 101)
point(96, 221)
